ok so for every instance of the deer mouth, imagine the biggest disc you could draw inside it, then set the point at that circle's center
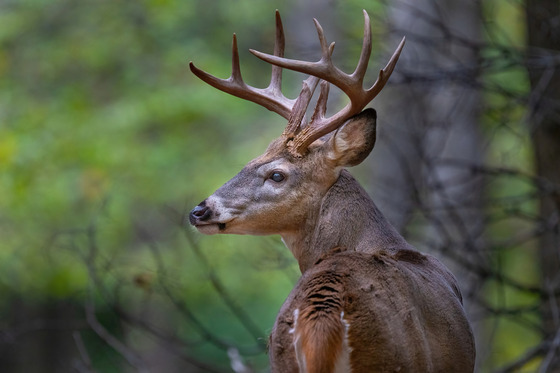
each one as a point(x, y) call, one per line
point(210, 227)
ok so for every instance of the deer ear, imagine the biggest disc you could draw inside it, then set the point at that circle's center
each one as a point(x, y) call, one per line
point(351, 144)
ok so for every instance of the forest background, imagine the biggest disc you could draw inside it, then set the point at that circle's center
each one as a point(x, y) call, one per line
point(106, 139)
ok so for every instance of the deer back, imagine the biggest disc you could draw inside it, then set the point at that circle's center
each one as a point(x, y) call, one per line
point(395, 311)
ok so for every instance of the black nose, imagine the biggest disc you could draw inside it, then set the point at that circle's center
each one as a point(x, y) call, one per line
point(199, 213)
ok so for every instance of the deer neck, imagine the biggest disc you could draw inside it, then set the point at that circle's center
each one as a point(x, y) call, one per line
point(347, 219)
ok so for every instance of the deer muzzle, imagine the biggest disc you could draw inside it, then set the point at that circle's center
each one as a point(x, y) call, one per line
point(201, 218)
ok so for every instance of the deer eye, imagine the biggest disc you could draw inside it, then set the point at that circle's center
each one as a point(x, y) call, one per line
point(277, 176)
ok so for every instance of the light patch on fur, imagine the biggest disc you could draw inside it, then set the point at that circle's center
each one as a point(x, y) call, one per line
point(219, 209)
point(339, 145)
point(300, 356)
point(296, 315)
point(343, 362)
point(277, 164)
point(340, 142)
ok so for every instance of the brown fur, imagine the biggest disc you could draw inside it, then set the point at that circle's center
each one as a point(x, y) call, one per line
point(404, 315)
point(319, 324)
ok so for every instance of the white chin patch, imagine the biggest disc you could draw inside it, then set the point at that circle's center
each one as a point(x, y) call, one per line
point(211, 228)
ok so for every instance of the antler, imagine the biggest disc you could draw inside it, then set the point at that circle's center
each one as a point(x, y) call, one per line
point(298, 138)
point(350, 84)
point(270, 97)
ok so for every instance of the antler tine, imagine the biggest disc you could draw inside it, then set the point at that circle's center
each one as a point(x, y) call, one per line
point(270, 97)
point(300, 107)
point(326, 50)
point(361, 68)
point(321, 107)
point(279, 44)
point(386, 72)
point(235, 66)
point(303, 99)
point(323, 69)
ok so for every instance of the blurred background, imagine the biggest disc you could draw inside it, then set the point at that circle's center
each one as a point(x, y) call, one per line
point(106, 139)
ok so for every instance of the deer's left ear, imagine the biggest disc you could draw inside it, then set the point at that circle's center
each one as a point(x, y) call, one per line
point(351, 144)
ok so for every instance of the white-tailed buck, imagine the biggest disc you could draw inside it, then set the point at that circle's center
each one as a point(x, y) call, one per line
point(366, 301)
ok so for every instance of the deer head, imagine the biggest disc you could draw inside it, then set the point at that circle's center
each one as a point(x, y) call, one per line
point(278, 192)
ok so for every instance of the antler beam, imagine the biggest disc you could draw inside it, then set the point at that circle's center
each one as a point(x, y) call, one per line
point(350, 84)
point(299, 136)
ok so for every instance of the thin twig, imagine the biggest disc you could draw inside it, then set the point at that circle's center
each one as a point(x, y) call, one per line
point(85, 363)
point(127, 353)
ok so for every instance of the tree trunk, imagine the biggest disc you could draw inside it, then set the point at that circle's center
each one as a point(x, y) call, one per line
point(429, 136)
point(543, 51)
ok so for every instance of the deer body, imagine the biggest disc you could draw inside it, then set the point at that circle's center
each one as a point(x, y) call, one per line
point(414, 317)
point(367, 301)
